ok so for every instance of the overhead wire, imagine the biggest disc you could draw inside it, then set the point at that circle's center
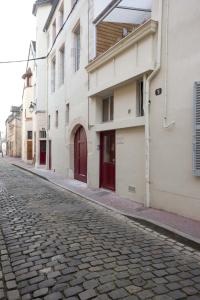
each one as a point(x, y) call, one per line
point(49, 52)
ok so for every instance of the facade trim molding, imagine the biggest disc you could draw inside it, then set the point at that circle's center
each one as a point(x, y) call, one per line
point(120, 124)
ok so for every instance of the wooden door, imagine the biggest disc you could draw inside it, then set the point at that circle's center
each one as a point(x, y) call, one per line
point(43, 152)
point(107, 160)
point(49, 155)
point(29, 150)
point(80, 155)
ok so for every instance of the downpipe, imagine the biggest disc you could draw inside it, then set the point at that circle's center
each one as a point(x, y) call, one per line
point(147, 108)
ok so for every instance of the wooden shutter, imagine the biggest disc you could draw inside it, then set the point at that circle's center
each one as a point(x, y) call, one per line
point(196, 130)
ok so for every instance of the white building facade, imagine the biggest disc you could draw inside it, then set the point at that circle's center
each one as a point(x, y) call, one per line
point(119, 115)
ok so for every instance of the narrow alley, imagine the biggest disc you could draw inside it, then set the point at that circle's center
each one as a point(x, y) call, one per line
point(55, 245)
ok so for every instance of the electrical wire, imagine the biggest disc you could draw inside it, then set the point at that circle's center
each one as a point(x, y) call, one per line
point(49, 52)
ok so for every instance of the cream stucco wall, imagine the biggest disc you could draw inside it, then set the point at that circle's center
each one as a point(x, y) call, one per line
point(27, 124)
point(173, 187)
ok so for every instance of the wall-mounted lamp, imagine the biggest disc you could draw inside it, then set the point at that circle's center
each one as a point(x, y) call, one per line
point(32, 106)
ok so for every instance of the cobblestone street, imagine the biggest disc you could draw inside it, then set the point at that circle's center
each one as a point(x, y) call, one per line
point(55, 245)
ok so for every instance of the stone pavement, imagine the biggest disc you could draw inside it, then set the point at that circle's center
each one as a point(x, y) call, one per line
point(182, 227)
point(55, 245)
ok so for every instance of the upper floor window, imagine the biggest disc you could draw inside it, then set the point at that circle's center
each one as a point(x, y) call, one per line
point(43, 134)
point(62, 64)
point(56, 123)
point(29, 135)
point(107, 109)
point(77, 47)
point(53, 74)
point(140, 99)
point(67, 114)
point(49, 122)
point(61, 15)
point(53, 31)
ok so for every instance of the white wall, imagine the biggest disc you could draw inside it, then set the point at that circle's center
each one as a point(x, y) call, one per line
point(173, 187)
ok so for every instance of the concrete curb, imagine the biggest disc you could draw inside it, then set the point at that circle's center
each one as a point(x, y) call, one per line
point(157, 226)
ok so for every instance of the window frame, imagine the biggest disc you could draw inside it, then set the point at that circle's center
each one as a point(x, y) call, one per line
point(140, 98)
point(56, 119)
point(61, 15)
point(62, 65)
point(77, 46)
point(31, 134)
point(110, 111)
point(67, 114)
point(53, 73)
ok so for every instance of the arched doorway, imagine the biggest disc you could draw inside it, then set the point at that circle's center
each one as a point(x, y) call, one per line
point(80, 155)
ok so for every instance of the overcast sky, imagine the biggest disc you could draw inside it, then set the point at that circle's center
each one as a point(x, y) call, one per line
point(17, 29)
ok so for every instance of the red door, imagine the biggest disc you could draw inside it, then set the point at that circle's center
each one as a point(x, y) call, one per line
point(107, 160)
point(49, 155)
point(80, 155)
point(43, 152)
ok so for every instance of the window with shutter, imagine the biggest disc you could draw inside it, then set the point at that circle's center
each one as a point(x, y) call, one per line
point(196, 130)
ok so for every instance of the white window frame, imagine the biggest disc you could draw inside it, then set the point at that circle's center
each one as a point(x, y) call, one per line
point(110, 100)
point(77, 46)
point(62, 64)
point(53, 74)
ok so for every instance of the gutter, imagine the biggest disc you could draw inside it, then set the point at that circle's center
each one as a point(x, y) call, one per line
point(147, 106)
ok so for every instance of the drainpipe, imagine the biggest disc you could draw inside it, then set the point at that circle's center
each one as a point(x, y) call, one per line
point(147, 106)
point(165, 117)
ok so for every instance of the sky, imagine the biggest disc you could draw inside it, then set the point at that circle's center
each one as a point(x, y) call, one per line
point(17, 29)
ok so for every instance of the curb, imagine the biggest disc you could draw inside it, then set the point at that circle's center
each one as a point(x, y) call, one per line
point(27, 170)
point(168, 231)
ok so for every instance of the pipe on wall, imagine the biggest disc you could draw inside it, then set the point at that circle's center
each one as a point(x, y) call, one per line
point(147, 107)
point(165, 110)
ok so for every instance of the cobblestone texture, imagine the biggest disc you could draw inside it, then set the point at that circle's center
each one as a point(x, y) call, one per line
point(55, 245)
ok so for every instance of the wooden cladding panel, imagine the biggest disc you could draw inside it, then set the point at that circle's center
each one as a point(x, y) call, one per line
point(108, 34)
point(29, 150)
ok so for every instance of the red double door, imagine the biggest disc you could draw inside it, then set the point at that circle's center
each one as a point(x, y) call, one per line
point(107, 160)
point(80, 155)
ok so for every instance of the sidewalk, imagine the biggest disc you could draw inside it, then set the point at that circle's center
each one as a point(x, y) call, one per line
point(178, 227)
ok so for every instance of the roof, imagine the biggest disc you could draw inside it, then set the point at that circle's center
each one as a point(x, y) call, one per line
point(54, 5)
point(34, 45)
point(126, 11)
point(40, 3)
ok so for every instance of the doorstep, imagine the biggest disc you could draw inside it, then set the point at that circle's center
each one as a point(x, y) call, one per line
point(180, 228)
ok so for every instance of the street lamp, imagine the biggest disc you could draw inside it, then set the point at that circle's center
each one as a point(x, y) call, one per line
point(31, 107)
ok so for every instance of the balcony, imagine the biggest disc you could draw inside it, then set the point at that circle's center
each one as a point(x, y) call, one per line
point(126, 60)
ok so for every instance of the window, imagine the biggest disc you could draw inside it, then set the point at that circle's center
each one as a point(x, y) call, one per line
point(107, 109)
point(67, 114)
point(53, 74)
point(43, 134)
point(77, 45)
point(49, 122)
point(61, 15)
point(56, 123)
point(29, 135)
point(140, 99)
point(53, 31)
point(62, 64)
